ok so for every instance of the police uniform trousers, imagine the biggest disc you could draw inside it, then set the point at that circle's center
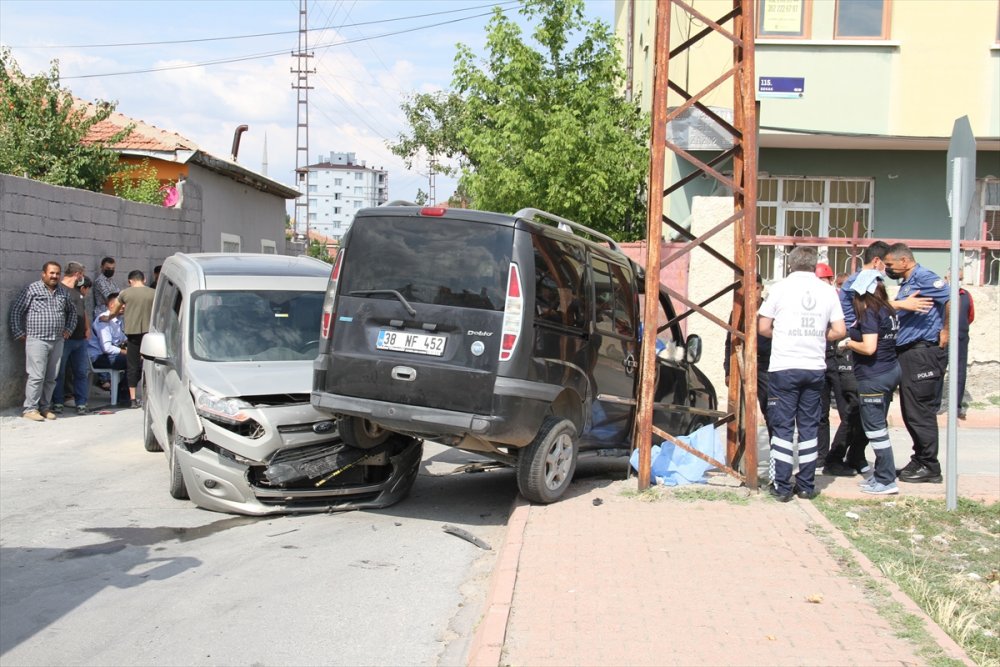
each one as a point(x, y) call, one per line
point(922, 366)
point(793, 402)
point(850, 440)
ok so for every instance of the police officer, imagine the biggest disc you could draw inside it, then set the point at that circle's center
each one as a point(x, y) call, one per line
point(850, 436)
point(920, 346)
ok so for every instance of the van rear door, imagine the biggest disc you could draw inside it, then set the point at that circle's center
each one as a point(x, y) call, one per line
point(419, 311)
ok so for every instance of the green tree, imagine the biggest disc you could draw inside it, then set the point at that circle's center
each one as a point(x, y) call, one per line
point(139, 182)
point(318, 250)
point(41, 131)
point(544, 126)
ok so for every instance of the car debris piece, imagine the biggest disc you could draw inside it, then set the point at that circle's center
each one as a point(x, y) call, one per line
point(316, 462)
point(465, 535)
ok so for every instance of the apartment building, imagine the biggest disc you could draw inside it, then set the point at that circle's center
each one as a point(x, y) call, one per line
point(858, 99)
point(338, 186)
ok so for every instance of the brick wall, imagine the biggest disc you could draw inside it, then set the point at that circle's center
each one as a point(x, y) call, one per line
point(40, 222)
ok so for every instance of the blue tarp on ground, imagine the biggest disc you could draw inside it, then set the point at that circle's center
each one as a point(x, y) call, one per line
point(673, 466)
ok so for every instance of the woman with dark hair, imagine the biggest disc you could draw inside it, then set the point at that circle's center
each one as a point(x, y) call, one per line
point(873, 341)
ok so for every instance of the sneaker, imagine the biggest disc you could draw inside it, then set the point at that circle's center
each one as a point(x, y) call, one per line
point(82, 410)
point(136, 403)
point(48, 414)
point(879, 489)
point(34, 415)
point(57, 408)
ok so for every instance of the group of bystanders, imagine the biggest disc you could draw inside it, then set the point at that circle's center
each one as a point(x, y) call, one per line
point(63, 336)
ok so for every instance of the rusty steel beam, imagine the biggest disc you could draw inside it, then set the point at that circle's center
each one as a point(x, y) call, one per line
point(647, 375)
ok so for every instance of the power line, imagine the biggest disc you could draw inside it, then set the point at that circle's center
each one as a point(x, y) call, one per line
point(271, 54)
point(264, 34)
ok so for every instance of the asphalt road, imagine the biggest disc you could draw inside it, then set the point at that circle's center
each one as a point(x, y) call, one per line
point(99, 566)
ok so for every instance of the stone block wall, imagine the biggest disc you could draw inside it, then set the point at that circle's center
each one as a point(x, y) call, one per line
point(41, 222)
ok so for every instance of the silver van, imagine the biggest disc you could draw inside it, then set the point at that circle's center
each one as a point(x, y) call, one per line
point(227, 375)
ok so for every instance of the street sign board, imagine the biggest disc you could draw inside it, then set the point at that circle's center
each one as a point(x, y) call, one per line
point(780, 86)
point(960, 183)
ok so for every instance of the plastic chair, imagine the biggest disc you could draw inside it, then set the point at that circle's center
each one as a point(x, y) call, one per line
point(117, 377)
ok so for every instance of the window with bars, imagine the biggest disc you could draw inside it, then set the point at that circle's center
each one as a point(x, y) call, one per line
point(812, 207)
point(990, 204)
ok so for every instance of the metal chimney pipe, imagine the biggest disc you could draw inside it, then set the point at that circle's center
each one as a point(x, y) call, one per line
point(236, 139)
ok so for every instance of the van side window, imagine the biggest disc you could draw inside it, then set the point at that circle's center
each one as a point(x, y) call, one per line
point(560, 297)
point(615, 309)
point(166, 319)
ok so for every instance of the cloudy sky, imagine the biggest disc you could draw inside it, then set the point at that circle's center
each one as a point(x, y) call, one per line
point(150, 57)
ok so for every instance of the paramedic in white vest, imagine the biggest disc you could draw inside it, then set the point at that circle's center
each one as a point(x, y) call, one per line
point(800, 314)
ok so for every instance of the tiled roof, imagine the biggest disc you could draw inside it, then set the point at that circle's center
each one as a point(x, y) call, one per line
point(144, 137)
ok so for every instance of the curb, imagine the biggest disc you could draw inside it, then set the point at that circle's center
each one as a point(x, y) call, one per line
point(941, 638)
point(487, 644)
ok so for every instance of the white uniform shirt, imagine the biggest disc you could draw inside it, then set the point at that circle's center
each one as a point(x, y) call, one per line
point(802, 306)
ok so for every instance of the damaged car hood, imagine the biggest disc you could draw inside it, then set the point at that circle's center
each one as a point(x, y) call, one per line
point(252, 378)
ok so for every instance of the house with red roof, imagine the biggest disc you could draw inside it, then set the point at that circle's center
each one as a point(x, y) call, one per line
point(243, 211)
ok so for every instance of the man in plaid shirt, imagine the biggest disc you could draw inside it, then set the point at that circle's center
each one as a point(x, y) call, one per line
point(43, 316)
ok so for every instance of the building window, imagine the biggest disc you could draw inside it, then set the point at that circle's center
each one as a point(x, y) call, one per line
point(231, 243)
point(313, 188)
point(336, 195)
point(268, 247)
point(789, 19)
point(312, 217)
point(813, 207)
point(338, 181)
point(358, 176)
point(861, 19)
point(357, 204)
point(336, 210)
point(358, 190)
point(990, 189)
point(312, 203)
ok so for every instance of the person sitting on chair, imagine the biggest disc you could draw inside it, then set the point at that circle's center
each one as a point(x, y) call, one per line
point(108, 344)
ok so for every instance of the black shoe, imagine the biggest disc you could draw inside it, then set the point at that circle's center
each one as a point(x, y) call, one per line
point(839, 470)
point(921, 474)
point(136, 403)
point(804, 495)
point(909, 468)
point(780, 497)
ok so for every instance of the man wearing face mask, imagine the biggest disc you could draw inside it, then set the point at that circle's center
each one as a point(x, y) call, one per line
point(104, 285)
point(920, 346)
point(74, 352)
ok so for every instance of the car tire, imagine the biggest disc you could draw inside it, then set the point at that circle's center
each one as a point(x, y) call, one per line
point(149, 440)
point(361, 433)
point(545, 467)
point(178, 489)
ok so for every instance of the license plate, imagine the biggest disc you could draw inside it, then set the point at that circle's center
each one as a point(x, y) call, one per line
point(399, 341)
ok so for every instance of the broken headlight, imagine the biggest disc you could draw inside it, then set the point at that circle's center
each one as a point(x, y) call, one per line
point(220, 409)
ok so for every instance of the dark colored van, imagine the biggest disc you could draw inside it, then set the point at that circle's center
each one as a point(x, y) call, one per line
point(513, 336)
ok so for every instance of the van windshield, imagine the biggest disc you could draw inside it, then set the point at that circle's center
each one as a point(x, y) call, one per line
point(256, 325)
point(429, 260)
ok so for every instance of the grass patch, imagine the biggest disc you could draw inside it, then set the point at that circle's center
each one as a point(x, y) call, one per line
point(649, 495)
point(736, 496)
point(990, 402)
point(947, 562)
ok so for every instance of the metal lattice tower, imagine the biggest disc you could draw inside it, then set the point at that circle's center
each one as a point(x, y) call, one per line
point(301, 85)
point(737, 27)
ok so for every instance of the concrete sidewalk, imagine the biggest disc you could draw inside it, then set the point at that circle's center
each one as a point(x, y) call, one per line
point(605, 578)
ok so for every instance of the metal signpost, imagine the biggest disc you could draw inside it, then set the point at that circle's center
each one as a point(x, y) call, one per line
point(961, 186)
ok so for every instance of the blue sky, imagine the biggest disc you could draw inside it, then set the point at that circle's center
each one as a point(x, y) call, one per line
point(359, 85)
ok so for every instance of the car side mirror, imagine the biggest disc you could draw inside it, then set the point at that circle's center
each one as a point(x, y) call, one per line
point(154, 347)
point(692, 351)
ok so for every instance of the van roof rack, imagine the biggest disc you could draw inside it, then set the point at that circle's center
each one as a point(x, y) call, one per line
point(567, 225)
point(398, 202)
